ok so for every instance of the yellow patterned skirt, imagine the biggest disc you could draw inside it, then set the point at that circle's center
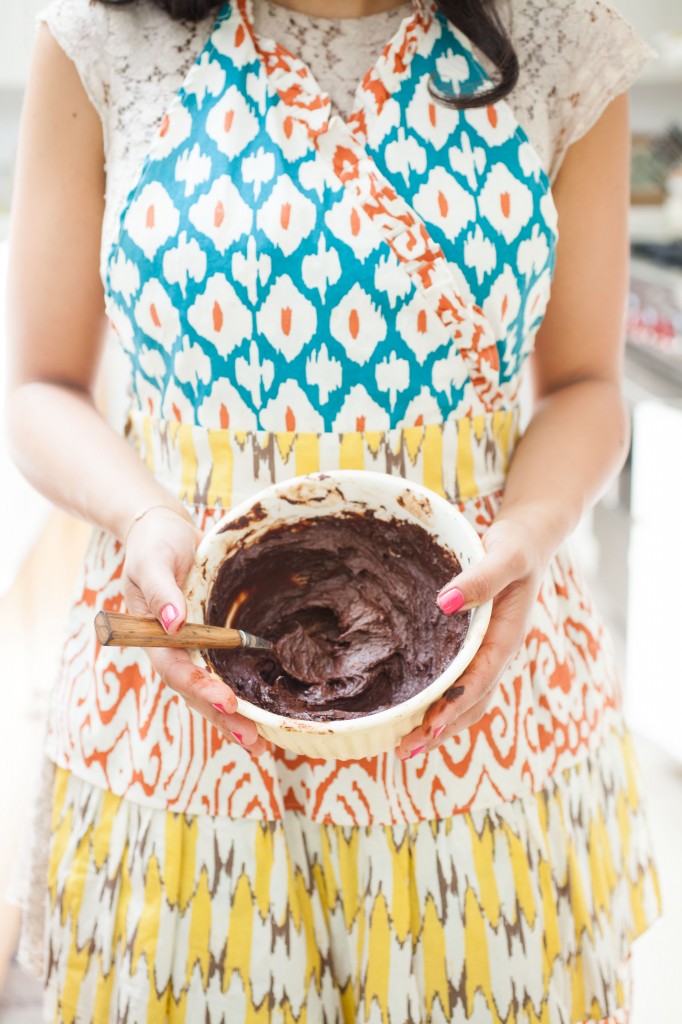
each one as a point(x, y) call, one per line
point(522, 913)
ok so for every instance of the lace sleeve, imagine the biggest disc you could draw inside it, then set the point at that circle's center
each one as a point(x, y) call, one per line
point(80, 29)
point(599, 55)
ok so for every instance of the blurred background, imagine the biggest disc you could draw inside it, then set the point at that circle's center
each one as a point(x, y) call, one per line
point(630, 546)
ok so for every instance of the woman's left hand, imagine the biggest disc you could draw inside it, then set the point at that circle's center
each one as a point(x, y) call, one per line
point(510, 574)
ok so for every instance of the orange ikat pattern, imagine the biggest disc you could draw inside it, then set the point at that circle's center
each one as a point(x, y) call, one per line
point(553, 706)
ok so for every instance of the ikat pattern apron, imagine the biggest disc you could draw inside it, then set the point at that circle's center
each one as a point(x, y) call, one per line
point(299, 292)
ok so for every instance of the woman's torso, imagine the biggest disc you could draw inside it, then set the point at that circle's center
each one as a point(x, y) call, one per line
point(133, 59)
point(559, 694)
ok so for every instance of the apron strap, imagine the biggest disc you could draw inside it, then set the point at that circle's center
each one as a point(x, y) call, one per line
point(408, 238)
point(397, 222)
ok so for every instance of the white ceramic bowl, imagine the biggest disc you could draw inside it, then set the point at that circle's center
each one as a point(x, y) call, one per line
point(323, 494)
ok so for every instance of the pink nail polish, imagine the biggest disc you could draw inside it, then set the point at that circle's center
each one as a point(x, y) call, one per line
point(219, 708)
point(238, 736)
point(418, 750)
point(169, 614)
point(438, 731)
point(451, 601)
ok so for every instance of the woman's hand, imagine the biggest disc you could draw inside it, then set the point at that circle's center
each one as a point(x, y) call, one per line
point(510, 574)
point(160, 550)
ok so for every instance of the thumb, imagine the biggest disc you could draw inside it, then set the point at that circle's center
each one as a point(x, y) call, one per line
point(478, 584)
point(163, 596)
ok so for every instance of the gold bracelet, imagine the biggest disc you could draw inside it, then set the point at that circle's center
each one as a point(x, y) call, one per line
point(150, 508)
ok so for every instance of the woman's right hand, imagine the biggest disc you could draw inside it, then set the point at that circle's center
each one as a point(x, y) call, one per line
point(159, 553)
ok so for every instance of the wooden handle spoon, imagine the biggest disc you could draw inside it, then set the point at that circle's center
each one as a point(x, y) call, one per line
point(114, 629)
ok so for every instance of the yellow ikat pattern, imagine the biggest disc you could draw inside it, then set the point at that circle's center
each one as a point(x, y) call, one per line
point(522, 914)
point(459, 459)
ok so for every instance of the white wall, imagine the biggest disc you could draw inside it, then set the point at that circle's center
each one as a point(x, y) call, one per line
point(16, 36)
point(651, 16)
point(655, 106)
point(654, 660)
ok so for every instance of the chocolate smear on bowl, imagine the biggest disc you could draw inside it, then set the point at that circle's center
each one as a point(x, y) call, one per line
point(349, 602)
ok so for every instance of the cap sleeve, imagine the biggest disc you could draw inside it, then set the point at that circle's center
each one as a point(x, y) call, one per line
point(80, 29)
point(602, 56)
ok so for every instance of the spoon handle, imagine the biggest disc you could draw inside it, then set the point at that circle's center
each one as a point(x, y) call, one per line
point(114, 629)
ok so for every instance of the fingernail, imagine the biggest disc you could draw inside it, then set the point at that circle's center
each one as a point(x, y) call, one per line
point(238, 736)
point(219, 708)
point(451, 601)
point(418, 750)
point(438, 731)
point(169, 614)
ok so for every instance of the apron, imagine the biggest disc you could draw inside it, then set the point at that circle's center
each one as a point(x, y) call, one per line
point(298, 292)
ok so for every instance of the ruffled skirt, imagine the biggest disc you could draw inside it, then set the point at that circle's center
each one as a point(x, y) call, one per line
point(522, 913)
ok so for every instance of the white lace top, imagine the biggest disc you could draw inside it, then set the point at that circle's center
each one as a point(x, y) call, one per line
point(575, 56)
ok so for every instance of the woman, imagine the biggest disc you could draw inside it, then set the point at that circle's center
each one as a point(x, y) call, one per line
point(303, 275)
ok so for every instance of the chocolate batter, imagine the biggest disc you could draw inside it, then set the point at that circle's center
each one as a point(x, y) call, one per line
point(350, 603)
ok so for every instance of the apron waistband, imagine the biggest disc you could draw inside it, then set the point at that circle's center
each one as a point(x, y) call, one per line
point(458, 459)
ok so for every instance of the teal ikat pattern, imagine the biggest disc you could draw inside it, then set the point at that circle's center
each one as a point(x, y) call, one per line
point(250, 288)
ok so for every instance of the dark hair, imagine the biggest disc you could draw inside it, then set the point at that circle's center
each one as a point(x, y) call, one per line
point(479, 20)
